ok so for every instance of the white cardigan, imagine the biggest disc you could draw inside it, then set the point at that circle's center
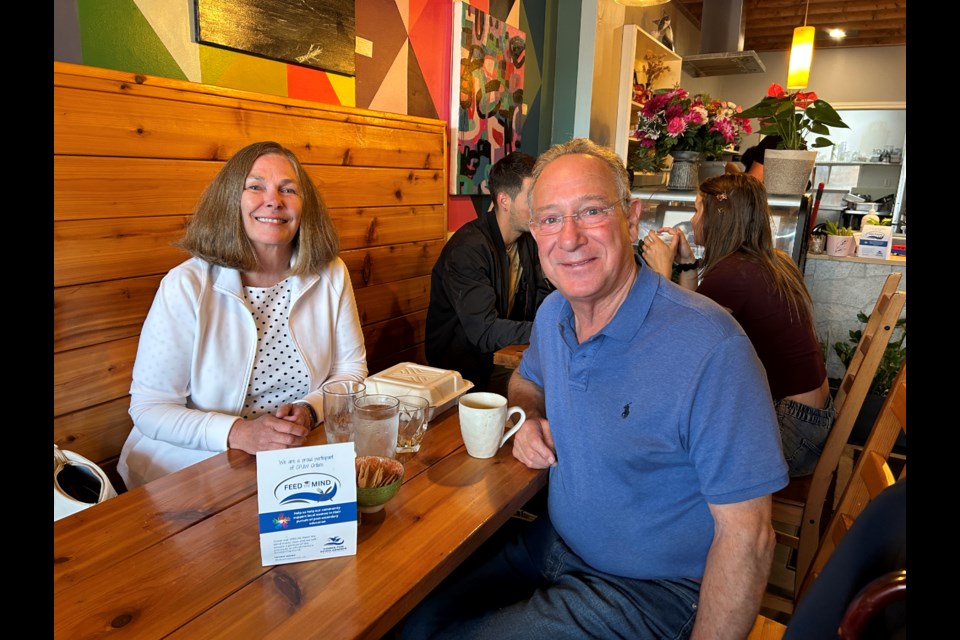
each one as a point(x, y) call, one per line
point(196, 355)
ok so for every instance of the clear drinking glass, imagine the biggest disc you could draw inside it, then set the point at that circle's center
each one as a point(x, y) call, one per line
point(376, 421)
point(338, 408)
point(414, 412)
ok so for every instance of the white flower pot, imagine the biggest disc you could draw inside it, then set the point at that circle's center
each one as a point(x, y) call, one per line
point(837, 245)
point(787, 172)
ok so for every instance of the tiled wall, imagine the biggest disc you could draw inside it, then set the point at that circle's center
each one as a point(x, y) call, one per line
point(840, 289)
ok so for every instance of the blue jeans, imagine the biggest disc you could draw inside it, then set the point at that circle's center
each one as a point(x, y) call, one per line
point(804, 431)
point(535, 586)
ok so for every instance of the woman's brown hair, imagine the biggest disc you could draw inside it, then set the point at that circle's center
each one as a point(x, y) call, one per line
point(736, 218)
point(216, 233)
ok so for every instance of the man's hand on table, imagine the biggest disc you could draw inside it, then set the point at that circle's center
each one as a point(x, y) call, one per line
point(533, 444)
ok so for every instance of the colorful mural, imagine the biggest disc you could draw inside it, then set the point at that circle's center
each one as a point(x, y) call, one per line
point(487, 109)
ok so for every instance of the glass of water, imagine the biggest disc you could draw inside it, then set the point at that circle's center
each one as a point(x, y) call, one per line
point(376, 420)
point(414, 412)
point(338, 408)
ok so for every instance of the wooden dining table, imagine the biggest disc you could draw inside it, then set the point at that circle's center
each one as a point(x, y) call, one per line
point(510, 355)
point(180, 556)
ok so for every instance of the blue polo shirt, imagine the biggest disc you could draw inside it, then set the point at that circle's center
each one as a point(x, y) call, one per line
point(663, 411)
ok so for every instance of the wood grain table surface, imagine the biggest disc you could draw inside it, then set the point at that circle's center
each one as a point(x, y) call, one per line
point(510, 355)
point(180, 556)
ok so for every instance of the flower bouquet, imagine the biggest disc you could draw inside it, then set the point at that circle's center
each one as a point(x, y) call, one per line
point(793, 116)
point(672, 120)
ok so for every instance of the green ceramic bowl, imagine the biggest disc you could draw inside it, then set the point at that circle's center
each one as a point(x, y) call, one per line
point(372, 499)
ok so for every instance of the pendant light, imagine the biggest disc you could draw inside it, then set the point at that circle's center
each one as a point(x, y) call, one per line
point(801, 55)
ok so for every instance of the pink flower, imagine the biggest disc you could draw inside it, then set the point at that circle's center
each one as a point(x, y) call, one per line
point(676, 126)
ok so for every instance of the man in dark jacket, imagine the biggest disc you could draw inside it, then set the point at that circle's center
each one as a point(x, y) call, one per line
point(487, 283)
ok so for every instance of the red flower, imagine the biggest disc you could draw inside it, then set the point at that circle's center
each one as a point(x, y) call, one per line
point(775, 91)
point(803, 100)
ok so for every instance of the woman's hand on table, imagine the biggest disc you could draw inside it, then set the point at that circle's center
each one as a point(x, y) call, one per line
point(533, 444)
point(296, 412)
point(268, 433)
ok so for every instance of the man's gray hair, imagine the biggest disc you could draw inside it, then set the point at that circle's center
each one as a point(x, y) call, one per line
point(587, 147)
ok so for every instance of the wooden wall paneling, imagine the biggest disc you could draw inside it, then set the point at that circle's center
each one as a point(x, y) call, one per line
point(92, 375)
point(88, 187)
point(97, 432)
point(110, 81)
point(122, 124)
point(389, 225)
point(384, 339)
point(384, 301)
point(377, 265)
point(370, 187)
point(415, 353)
point(92, 313)
point(111, 188)
point(97, 250)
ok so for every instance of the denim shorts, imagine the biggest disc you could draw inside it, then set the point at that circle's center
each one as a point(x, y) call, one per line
point(803, 431)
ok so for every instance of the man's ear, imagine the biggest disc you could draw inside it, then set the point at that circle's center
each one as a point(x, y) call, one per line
point(634, 209)
point(504, 200)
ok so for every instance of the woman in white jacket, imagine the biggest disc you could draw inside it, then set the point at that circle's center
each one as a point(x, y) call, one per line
point(241, 336)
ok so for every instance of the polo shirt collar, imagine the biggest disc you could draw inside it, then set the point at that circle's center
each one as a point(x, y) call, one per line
point(631, 314)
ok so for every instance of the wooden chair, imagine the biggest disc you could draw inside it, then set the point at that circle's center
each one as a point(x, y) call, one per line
point(801, 506)
point(871, 474)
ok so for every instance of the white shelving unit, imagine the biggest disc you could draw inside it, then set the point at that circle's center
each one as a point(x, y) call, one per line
point(635, 44)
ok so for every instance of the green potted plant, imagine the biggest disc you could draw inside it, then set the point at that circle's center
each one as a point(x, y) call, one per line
point(840, 240)
point(792, 117)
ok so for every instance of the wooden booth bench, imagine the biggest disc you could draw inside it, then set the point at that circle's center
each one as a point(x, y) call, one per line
point(132, 154)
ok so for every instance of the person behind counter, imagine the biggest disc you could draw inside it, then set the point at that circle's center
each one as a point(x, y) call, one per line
point(752, 158)
point(649, 407)
point(764, 290)
point(487, 284)
point(241, 336)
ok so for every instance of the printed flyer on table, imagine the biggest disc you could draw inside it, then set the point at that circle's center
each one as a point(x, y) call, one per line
point(307, 499)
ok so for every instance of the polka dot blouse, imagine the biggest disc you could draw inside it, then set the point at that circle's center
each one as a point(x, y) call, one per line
point(279, 375)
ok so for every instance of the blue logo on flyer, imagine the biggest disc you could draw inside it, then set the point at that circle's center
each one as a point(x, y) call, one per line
point(307, 488)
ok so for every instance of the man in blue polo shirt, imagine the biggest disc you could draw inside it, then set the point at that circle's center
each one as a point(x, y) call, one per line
point(650, 407)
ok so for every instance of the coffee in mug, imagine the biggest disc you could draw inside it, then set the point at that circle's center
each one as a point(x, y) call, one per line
point(483, 417)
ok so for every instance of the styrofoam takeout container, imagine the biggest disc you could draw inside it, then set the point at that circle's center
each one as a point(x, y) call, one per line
point(441, 387)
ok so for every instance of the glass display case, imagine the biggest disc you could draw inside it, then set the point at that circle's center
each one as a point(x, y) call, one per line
point(790, 217)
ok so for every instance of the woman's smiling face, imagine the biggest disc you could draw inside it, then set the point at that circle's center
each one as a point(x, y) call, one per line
point(271, 203)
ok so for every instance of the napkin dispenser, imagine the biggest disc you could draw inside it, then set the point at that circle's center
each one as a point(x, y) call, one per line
point(876, 241)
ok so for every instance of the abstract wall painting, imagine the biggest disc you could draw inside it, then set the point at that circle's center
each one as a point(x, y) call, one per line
point(314, 33)
point(487, 108)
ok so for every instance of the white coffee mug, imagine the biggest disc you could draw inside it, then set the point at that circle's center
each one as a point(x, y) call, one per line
point(483, 417)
